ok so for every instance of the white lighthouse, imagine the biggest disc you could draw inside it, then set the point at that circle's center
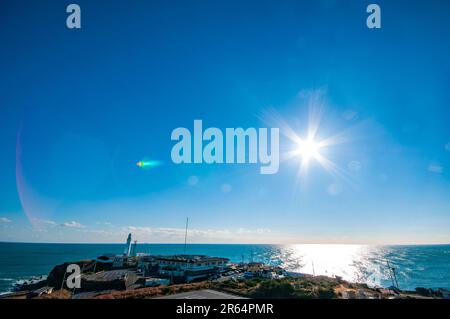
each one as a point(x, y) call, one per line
point(133, 249)
point(128, 247)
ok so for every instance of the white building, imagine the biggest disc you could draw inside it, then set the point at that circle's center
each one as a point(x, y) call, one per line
point(190, 266)
point(127, 251)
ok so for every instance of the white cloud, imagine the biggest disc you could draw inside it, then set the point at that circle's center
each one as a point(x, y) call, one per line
point(5, 220)
point(105, 224)
point(253, 231)
point(43, 221)
point(39, 230)
point(162, 234)
point(72, 224)
point(435, 168)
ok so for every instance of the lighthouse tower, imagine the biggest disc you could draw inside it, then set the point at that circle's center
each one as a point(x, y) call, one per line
point(133, 249)
point(128, 247)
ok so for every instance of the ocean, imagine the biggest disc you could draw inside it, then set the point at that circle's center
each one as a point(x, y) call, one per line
point(416, 266)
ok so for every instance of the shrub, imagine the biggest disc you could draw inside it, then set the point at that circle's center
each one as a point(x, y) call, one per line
point(325, 293)
point(423, 291)
point(230, 284)
point(250, 283)
point(302, 294)
point(274, 289)
point(166, 290)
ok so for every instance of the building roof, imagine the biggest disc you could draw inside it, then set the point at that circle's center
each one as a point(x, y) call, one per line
point(191, 258)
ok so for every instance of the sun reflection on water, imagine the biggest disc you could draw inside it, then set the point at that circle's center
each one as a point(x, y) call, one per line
point(355, 263)
point(415, 266)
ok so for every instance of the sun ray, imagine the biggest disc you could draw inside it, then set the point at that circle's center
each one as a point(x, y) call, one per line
point(315, 108)
point(351, 134)
point(334, 170)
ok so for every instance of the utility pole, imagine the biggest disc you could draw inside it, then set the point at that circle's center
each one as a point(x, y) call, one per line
point(393, 275)
point(390, 273)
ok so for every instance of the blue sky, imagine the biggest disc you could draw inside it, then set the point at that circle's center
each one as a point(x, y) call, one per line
point(80, 107)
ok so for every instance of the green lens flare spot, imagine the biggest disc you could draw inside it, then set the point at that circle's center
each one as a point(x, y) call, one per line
point(148, 164)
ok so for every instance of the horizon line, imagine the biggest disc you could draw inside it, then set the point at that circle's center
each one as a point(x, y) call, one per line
point(256, 244)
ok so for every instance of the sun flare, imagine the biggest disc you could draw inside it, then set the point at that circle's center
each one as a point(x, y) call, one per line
point(312, 147)
point(308, 149)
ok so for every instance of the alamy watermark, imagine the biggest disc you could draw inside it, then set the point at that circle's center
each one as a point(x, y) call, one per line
point(74, 279)
point(73, 20)
point(235, 145)
point(374, 19)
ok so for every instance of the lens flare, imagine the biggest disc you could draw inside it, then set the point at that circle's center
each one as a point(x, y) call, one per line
point(148, 164)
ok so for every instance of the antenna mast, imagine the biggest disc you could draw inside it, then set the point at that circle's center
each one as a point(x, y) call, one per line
point(185, 235)
point(392, 275)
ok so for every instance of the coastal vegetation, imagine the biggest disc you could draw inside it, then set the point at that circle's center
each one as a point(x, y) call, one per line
point(285, 288)
point(305, 287)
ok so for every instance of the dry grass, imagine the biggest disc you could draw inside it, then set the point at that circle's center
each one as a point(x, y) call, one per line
point(152, 292)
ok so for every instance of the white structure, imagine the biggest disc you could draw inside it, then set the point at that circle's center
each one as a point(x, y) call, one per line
point(190, 266)
point(128, 258)
point(128, 246)
point(133, 249)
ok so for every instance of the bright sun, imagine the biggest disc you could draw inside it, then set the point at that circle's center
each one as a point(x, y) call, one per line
point(308, 149)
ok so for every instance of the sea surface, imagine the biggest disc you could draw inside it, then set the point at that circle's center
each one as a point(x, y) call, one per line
point(416, 266)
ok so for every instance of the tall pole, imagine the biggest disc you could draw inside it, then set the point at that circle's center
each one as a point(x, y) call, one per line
point(185, 235)
point(390, 273)
point(64, 278)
